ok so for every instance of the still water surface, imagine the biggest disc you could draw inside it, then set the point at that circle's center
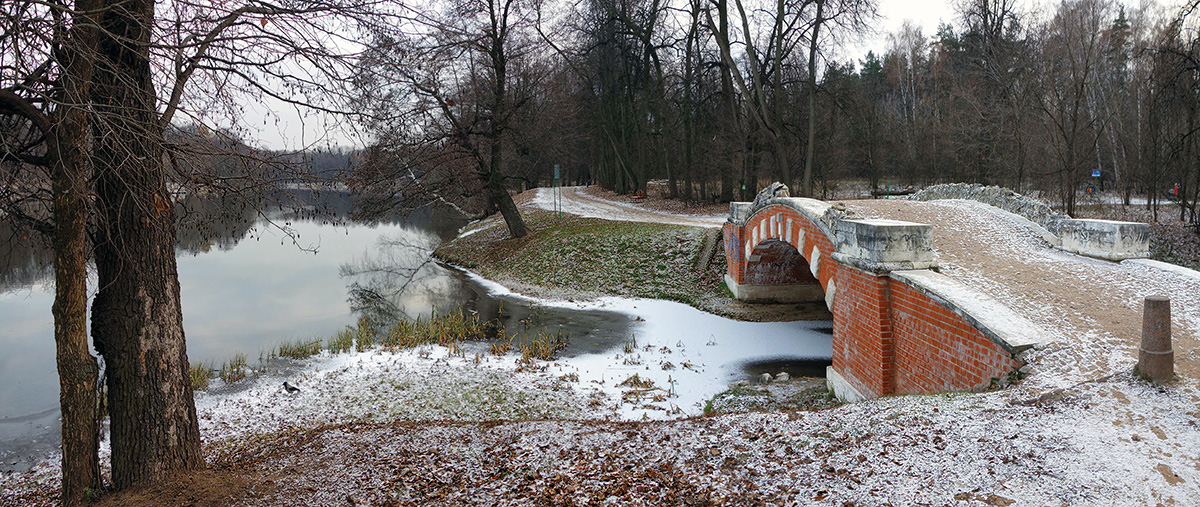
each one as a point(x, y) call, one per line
point(257, 286)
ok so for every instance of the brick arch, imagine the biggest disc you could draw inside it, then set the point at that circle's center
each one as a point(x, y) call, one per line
point(779, 224)
point(898, 325)
point(774, 261)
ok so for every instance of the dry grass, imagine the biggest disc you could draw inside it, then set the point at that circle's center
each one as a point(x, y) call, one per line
point(201, 373)
point(446, 330)
point(365, 335)
point(298, 349)
point(543, 346)
point(234, 369)
point(343, 341)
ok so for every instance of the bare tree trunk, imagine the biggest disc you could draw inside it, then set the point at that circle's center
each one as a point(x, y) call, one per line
point(500, 112)
point(727, 105)
point(812, 100)
point(137, 321)
point(77, 370)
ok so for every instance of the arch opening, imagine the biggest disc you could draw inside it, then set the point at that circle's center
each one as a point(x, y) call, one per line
point(779, 273)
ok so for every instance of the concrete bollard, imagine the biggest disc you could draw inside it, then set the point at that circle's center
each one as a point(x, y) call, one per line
point(1156, 360)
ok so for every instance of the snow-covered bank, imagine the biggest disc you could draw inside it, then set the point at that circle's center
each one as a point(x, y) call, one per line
point(955, 449)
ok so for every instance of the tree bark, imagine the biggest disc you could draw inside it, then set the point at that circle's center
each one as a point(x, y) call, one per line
point(494, 180)
point(727, 104)
point(137, 321)
point(807, 191)
point(77, 369)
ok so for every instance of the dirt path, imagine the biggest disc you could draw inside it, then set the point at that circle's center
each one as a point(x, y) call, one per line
point(1094, 306)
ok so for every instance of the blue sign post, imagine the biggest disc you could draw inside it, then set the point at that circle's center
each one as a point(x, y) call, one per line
point(1095, 173)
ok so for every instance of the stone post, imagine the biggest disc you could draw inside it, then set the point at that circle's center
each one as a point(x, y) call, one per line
point(1156, 360)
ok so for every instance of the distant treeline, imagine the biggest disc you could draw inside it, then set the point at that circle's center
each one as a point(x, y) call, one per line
point(719, 97)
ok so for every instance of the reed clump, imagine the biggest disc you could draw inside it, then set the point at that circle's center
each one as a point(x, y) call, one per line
point(201, 372)
point(446, 330)
point(299, 349)
point(342, 341)
point(543, 346)
point(365, 334)
point(234, 369)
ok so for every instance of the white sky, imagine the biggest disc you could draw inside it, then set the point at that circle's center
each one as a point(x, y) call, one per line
point(927, 14)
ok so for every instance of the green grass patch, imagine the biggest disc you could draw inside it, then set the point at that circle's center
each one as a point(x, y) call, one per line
point(596, 257)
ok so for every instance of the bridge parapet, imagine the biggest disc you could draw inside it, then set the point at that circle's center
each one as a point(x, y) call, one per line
point(881, 246)
point(1102, 239)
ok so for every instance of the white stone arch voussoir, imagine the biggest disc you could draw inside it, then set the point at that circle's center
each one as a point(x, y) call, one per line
point(768, 223)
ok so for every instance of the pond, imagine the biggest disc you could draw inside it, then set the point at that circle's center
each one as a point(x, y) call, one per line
point(248, 286)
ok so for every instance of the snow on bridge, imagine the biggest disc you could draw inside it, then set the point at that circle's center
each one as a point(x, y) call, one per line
point(900, 326)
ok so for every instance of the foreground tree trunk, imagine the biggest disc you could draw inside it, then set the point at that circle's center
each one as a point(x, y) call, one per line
point(137, 322)
point(77, 369)
point(500, 114)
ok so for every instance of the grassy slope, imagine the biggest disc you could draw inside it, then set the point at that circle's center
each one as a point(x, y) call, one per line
point(569, 256)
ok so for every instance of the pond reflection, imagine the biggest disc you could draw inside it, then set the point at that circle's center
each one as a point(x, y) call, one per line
point(248, 281)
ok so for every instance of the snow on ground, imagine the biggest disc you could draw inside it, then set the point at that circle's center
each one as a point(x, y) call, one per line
point(429, 383)
point(1081, 430)
point(577, 202)
point(681, 356)
point(950, 449)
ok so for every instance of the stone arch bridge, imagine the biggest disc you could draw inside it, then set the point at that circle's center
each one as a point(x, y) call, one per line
point(899, 326)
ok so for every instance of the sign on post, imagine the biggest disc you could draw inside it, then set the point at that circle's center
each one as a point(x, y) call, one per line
point(1095, 173)
point(557, 191)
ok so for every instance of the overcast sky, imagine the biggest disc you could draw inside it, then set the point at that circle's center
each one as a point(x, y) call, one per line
point(927, 14)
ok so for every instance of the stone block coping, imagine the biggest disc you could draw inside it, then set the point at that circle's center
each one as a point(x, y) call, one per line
point(1001, 324)
point(1165, 266)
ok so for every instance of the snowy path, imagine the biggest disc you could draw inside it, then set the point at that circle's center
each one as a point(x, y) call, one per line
point(578, 202)
point(1091, 307)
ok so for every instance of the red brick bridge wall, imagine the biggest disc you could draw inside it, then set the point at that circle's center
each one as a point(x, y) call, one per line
point(888, 337)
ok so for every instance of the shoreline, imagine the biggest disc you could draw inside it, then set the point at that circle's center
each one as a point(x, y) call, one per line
point(651, 261)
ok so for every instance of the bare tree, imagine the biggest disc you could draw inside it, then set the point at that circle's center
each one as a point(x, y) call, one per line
point(440, 86)
point(79, 99)
point(1072, 54)
point(44, 119)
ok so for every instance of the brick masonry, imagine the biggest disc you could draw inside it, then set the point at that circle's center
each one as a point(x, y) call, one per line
point(888, 338)
point(766, 237)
